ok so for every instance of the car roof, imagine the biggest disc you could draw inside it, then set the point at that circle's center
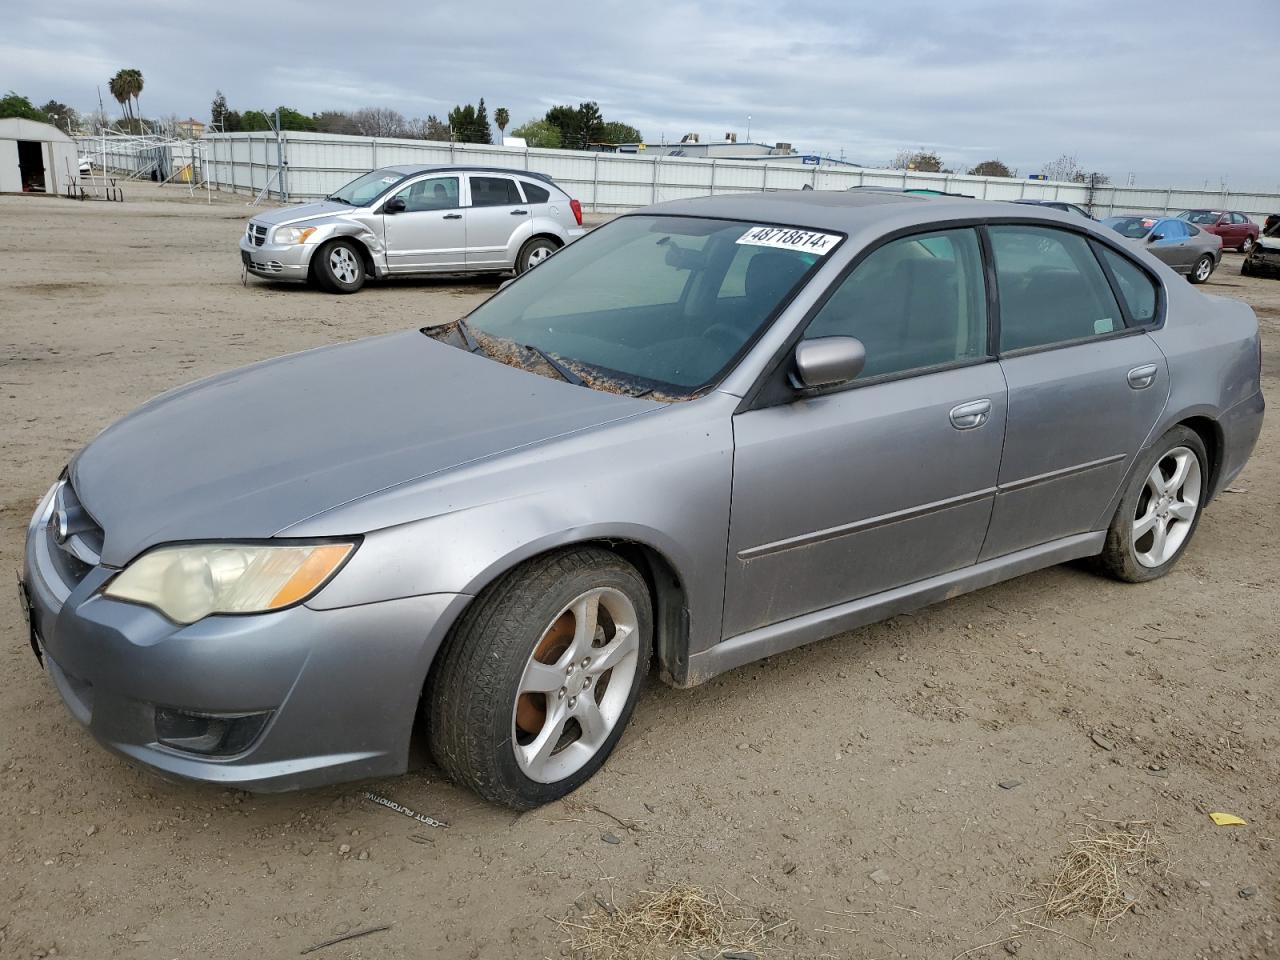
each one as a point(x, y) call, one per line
point(846, 211)
point(412, 169)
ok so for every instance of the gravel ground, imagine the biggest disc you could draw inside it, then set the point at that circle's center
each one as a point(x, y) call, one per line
point(896, 792)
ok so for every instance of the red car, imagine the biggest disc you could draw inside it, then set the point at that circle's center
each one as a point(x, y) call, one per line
point(1235, 229)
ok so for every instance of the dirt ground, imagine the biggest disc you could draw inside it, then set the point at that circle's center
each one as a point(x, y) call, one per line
point(896, 793)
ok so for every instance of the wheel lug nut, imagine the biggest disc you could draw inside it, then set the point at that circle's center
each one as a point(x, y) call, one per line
point(562, 692)
point(573, 702)
point(586, 662)
point(586, 683)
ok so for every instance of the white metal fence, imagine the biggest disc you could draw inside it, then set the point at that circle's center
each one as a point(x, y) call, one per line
point(305, 166)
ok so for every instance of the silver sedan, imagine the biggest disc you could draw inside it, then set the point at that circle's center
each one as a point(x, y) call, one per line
point(1186, 248)
point(708, 432)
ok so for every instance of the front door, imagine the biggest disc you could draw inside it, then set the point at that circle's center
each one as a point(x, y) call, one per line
point(888, 480)
point(1086, 384)
point(430, 233)
point(496, 212)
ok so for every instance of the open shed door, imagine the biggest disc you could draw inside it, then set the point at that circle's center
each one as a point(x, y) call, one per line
point(10, 177)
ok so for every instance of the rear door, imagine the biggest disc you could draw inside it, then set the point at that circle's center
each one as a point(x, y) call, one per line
point(1086, 384)
point(1174, 246)
point(496, 211)
point(887, 480)
point(430, 234)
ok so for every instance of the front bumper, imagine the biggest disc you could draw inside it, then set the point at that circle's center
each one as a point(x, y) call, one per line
point(277, 261)
point(339, 688)
point(1264, 260)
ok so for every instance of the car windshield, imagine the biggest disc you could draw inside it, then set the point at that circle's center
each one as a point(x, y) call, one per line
point(1200, 216)
point(650, 304)
point(1133, 227)
point(363, 189)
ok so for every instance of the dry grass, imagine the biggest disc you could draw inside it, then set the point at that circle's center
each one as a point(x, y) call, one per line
point(1099, 878)
point(681, 921)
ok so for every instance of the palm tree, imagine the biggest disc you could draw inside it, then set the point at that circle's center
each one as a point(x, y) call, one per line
point(133, 80)
point(500, 120)
point(119, 87)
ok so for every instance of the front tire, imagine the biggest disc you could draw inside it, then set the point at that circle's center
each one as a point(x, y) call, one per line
point(338, 267)
point(1202, 270)
point(1160, 511)
point(540, 677)
point(535, 252)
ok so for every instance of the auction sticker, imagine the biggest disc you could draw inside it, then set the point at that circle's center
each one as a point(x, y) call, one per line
point(790, 238)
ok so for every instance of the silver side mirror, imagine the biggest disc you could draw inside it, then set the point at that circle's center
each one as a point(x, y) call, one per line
point(827, 361)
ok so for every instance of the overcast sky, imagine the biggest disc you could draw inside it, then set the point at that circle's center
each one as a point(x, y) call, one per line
point(1171, 91)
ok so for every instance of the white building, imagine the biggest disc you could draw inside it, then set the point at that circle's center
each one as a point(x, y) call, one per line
point(35, 157)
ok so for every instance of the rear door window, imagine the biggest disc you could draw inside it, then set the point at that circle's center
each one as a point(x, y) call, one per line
point(1051, 288)
point(494, 192)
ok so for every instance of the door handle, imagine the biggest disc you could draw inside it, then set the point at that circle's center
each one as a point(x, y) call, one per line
point(969, 415)
point(452, 216)
point(1142, 377)
point(519, 213)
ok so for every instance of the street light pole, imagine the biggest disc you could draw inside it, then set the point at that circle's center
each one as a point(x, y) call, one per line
point(748, 128)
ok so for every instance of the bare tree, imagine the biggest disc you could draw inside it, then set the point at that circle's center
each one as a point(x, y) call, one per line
point(429, 129)
point(380, 122)
point(1066, 169)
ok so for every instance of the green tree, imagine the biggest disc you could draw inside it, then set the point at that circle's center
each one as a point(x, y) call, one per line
point(218, 111)
point(335, 121)
point(617, 132)
point(539, 133)
point(61, 116)
point(233, 122)
point(119, 88)
point(578, 125)
point(254, 121)
point(16, 106)
point(991, 168)
point(483, 133)
point(291, 119)
point(925, 161)
point(500, 120)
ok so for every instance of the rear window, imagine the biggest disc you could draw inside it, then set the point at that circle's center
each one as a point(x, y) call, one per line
point(493, 192)
point(1136, 288)
point(535, 194)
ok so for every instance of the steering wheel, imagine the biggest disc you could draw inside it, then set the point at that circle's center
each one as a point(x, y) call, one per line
point(726, 335)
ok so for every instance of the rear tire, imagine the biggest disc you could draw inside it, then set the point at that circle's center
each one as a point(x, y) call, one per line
point(338, 266)
point(534, 252)
point(516, 709)
point(1202, 270)
point(1160, 511)
point(1246, 246)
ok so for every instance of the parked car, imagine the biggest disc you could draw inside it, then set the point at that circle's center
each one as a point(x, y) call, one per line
point(1235, 229)
point(1273, 221)
point(1059, 205)
point(708, 432)
point(1183, 246)
point(1264, 259)
point(414, 220)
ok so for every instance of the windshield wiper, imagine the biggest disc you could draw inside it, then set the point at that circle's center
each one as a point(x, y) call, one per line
point(556, 365)
point(473, 345)
point(340, 199)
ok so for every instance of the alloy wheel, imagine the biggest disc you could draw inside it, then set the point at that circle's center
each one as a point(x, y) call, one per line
point(1203, 269)
point(537, 255)
point(1247, 245)
point(343, 264)
point(1167, 507)
point(575, 685)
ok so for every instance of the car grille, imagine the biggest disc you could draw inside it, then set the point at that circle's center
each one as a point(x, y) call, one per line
point(82, 550)
point(257, 234)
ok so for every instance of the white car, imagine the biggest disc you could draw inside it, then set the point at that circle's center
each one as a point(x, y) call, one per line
point(414, 220)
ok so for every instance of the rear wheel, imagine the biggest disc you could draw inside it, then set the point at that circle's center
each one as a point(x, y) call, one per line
point(540, 677)
point(535, 252)
point(1202, 270)
point(338, 267)
point(1160, 511)
point(1247, 245)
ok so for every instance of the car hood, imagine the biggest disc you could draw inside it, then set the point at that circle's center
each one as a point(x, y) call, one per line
point(303, 211)
point(242, 455)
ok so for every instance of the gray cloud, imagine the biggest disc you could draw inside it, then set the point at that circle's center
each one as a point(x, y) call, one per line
point(1152, 87)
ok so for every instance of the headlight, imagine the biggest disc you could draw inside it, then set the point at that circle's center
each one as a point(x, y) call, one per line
point(189, 583)
point(292, 234)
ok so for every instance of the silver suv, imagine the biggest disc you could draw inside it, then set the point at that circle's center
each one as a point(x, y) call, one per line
point(413, 220)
